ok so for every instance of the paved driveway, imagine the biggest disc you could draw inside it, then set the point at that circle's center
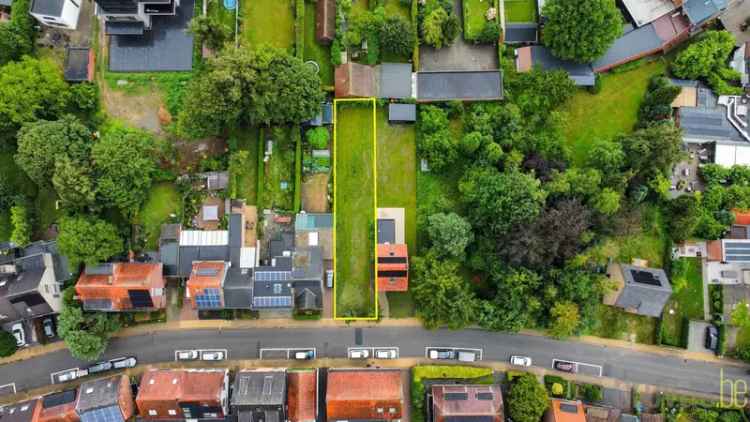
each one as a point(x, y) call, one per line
point(734, 16)
point(697, 335)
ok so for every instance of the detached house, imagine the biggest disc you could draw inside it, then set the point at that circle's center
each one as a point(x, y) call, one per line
point(364, 394)
point(122, 287)
point(106, 400)
point(176, 394)
point(467, 403)
point(61, 14)
point(638, 290)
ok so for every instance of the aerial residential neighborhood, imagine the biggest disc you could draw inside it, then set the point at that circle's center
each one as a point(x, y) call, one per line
point(374, 210)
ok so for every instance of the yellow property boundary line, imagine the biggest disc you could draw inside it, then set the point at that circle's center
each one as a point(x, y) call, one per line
point(372, 101)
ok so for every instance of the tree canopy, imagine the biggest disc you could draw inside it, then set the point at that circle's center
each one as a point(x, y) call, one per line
point(263, 86)
point(85, 334)
point(565, 319)
point(8, 344)
point(527, 399)
point(442, 297)
point(450, 234)
point(707, 60)
point(88, 240)
point(581, 30)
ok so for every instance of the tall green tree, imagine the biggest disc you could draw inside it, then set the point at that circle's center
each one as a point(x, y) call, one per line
point(515, 303)
point(43, 143)
point(581, 30)
point(124, 162)
point(397, 35)
point(88, 240)
point(565, 319)
point(653, 149)
point(527, 399)
point(210, 31)
point(21, 222)
point(257, 86)
point(85, 334)
point(440, 295)
point(450, 234)
point(707, 60)
point(657, 104)
point(74, 184)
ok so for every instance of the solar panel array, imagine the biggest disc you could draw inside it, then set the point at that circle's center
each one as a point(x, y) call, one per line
point(456, 396)
point(207, 272)
point(210, 299)
point(568, 408)
point(273, 275)
point(645, 277)
point(106, 414)
point(272, 302)
point(737, 251)
point(485, 396)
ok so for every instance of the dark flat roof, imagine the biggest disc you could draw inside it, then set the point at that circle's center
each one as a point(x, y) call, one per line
point(77, 64)
point(123, 28)
point(48, 7)
point(460, 85)
point(520, 32)
point(402, 112)
point(166, 47)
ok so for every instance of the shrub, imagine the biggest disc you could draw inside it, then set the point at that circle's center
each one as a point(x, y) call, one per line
point(490, 33)
point(557, 389)
point(210, 31)
point(20, 220)
point(85, 97)
point(318, 137)
point(7, 344)
point(591, 393)
point(597, 87)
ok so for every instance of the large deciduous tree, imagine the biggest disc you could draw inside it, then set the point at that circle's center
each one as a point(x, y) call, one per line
point(43, 143)
point(564, 319)
point(88, 240)
point(581, 30)
point(440, 295)
point(515, 304)
point(264, 86)
point(527, 399)
point(450, 234)
point(435, 142)
point(707, 59)
point(124, 161)
point(85, 334)
point(653, 149)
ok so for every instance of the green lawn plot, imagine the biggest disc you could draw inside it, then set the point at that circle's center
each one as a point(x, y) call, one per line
point(614, 323)
point(611, 112)
point(475, 12)
point(648, 242)
point(227, 17)
point(685, 304)
point(396, 8)
point(320, 54)
point(397, 188)
point(267, 22)
point(243, 182)
point(171, 85)
point(354, 211)
point(163, 200)
point(520, 11)
point(278, 171)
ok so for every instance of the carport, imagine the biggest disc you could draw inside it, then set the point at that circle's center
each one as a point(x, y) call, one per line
point(460, 85)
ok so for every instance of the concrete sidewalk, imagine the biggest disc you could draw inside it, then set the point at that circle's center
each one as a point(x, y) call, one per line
point(145, 329)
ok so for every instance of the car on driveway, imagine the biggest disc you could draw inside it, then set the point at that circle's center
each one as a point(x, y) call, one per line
point(442, 354)
point(49, 327)
point(100, 367)
point(187, 355)
point(123, 363)
point(212, 355)
point(19, 334)
point(712, 338)
point(520, 360)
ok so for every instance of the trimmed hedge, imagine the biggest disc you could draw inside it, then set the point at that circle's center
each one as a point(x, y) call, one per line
point(261, 166)
point(415, 24)
point(299, 29)
point(568, 387)
point(297, 168)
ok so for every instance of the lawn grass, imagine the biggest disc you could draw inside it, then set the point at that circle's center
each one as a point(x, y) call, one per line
point(247, 139)
point(649, 242)
point(474, 17)
point(401, 305)
point(268, 22)
point(354, 211)
point(227, 17)
point(320, 54)
point(278, 177)
point(520, 11)
point(163, 200)
point(46, 212)
point(172, 85)
point(684, 305)
point(611, 112)
point(615, 323)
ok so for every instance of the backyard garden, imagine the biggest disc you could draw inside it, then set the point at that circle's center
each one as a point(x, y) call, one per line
point(279, 169)
point(268, 22)
point(686, 303)
point(354, 209)
point(519, 11)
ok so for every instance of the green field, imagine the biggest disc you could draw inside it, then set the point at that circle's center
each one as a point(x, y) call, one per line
point(684, 305)
point(320, 54)
point(268, 22)
point(609, 113)
point(163, 200)
point(278, 176)
point(474, 17)
point(520, 11)
point(246, 185)
point(354, 208)
point(617, 324)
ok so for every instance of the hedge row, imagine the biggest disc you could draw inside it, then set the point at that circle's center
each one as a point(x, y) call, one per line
point(261, 165)
point(297, 168)
point(415, 25)
point(299, 29)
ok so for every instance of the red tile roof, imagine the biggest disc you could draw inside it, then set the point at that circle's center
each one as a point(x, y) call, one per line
point(741, 217)
point(393, 276)
point(715, 250)
point(302, 390)
point(364, 394)
point(161, 390)
point(61, 407)
point(124, 277)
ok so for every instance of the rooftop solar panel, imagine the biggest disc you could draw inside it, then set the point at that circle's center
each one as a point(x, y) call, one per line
point(485, 396)
point(106, 414)
point(207, 272)
point(456, 396)
point(645, 277)
point(273, 275)
point(568, 407)
point(272, 302)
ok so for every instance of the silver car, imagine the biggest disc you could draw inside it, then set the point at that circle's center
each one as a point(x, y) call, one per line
point(123, 363)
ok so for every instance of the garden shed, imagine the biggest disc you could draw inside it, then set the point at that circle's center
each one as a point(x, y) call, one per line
point(402, 113)
point(325, 21)
point(355, 80)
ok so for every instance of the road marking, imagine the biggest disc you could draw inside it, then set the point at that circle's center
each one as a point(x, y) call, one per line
point(597, 368)
point(12, 385)
point(480, 352)
point(54, 380)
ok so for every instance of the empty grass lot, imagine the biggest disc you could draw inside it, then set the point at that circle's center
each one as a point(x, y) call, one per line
point(245, 186)
point(320, 54)
point(278, 176)
point(686, 304)
point(397, 188)
point(269, 22)
point(163, 200)
point(520, 11)
point(474, 17)
point(611, 112)
point(354, 208)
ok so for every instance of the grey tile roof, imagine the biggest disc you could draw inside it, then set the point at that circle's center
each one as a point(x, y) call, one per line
point(708, 121)
point(644, 299)
point(48, 7)
point(395, 80)
point(460, 85)
point(402, 112)
point(701, 10)
point(581, 74)
point(521, 33)
point(238, 289)
point(167, 46)
point(18, 412)
point(259, 388)
point(636, 42)
point(98, 393)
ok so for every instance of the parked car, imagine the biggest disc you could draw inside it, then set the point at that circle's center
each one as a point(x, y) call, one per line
point(66, 376)
point(520, 360)
point(712, 338)
point(187, 355)
point(442, 354)
point(329, 278)
point(359, 354)
point(213, 355)
point(100, 367)
point(123, 363)
point(464, 356)
point(49, 327)
point(305, 355)
point(386, 354)
point(565, 366)
point(19, 334)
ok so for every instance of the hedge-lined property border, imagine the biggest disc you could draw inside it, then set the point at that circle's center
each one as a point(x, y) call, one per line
point(297, 168)
point(261, 166)
point(299, 29)
point(415, 24)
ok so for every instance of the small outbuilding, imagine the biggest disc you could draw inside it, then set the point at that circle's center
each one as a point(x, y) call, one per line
point(402, 113)
point(355, 80)
point(521, 33)
point(325, 21)
point(79, 64)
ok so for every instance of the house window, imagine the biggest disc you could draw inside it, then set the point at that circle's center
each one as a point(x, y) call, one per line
point(151, 412)
point(380, 410)
point(172, 412)
point(392, 410)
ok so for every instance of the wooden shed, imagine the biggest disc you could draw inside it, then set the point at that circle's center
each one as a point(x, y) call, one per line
point(325, 21)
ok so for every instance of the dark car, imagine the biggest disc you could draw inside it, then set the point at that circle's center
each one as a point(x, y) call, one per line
point(564, 366)
point(99, 367)
point(712, 338)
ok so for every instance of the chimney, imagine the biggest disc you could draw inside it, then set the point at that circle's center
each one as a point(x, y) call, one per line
point(131, 256)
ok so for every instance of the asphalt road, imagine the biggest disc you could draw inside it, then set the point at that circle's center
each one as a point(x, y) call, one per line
point(624, 364)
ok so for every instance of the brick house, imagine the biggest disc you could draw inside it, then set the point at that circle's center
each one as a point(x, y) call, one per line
point(467, 402)
point(375, 395)
point(57, 407)
point(174, 394)
point(122, 287)
point(106, 400)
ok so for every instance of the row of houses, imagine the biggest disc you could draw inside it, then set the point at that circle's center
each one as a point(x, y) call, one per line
point(275, 395)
